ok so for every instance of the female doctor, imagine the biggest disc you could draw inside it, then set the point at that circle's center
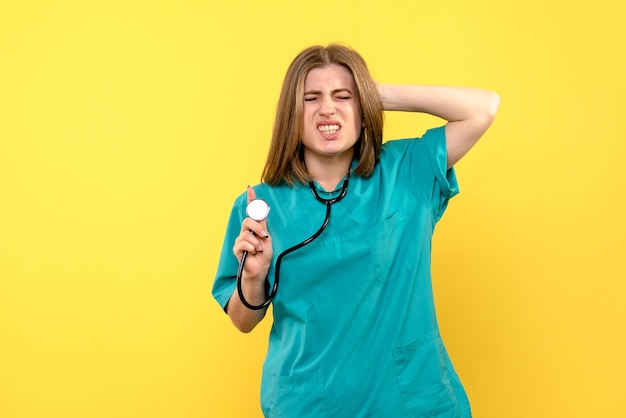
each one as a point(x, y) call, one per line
point(354, 329)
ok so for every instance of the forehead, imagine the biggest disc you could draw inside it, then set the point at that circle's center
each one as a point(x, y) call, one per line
point(330, 77)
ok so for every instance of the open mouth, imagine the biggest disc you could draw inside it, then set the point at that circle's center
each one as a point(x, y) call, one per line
point(328, 129)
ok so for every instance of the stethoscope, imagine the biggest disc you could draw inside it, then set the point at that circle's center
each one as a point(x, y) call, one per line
point(258, 210)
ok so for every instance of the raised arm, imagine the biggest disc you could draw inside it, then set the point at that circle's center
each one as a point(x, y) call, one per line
point(469, 111)
point(255, 240)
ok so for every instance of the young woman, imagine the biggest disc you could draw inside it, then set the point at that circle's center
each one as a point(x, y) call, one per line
point(354, 332)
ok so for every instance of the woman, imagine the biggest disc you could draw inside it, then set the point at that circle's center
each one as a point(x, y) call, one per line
point(354, 332)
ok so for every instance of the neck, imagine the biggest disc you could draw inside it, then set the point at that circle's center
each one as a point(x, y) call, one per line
point(328, 173)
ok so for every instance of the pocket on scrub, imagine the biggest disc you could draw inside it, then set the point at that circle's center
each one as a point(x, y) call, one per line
point(295, 396)
point(422, 377)
point(384, 239)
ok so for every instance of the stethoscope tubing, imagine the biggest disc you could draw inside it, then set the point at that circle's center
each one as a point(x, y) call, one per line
point(270, 297)
point(279, 261)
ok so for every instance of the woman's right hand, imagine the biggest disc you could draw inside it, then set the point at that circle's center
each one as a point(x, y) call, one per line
point(254, 239)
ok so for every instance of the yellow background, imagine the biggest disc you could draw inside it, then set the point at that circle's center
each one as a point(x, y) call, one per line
point(127, 128)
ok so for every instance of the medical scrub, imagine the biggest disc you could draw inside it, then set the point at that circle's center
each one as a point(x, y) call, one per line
point(355, 332)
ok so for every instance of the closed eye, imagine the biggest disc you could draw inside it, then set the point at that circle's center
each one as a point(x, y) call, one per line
point(343, 94)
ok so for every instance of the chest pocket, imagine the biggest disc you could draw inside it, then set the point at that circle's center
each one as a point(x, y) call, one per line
point(385, 241)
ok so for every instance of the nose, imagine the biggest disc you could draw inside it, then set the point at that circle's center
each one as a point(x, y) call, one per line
point(327, 106)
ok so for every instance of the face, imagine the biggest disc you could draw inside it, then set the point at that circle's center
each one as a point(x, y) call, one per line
point(332, 115)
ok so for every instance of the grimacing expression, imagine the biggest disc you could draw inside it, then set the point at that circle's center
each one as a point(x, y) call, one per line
point(332, 113)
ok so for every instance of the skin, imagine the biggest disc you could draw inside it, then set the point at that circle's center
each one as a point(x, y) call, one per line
point(330, 99)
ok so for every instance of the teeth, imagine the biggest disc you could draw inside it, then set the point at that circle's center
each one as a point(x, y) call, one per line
point(328, 129)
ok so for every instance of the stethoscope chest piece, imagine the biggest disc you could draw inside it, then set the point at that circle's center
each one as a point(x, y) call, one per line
point(258, 209)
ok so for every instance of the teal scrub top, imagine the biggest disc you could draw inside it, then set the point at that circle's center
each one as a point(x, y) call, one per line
point(355, 332)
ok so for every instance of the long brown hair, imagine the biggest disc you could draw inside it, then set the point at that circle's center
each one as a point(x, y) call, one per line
point(285, 160)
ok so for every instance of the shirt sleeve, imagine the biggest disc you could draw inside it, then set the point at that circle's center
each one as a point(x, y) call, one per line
point(429, 161)
point(446, 184)
point(226, 276)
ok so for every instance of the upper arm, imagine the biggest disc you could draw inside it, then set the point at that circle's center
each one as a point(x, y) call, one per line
point(461, 135)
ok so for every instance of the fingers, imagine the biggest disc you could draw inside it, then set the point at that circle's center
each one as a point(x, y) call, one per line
point(253, 237)
point(247, 242)
point(251, 194)
point(257, 228)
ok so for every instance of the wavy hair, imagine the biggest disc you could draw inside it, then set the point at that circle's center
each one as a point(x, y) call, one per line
point(285, 160)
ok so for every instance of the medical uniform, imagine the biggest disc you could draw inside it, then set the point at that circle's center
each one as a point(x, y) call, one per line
point(355, 332)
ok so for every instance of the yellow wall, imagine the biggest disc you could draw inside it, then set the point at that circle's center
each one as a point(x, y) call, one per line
point(128, 127)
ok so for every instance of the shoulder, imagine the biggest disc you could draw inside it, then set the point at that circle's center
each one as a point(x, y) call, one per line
point(282, 194)
point(432, 137)
point(282, 189)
